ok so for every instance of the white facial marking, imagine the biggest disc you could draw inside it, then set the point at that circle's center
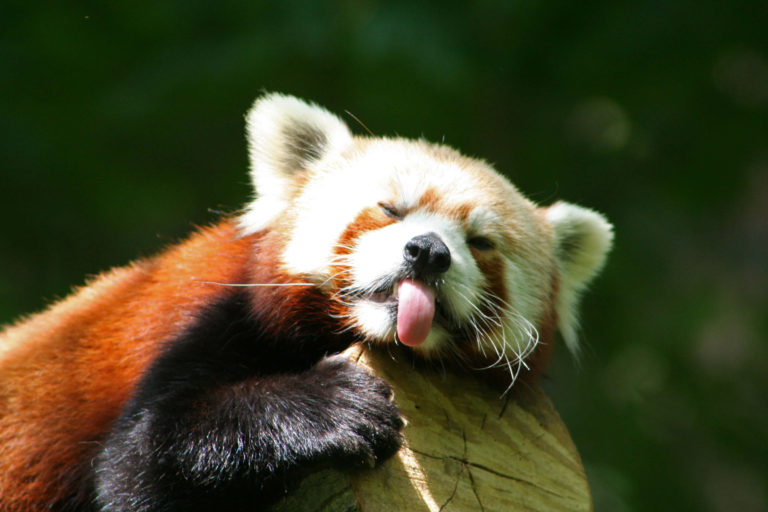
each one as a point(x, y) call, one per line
point(375, 319)
point(323, 212)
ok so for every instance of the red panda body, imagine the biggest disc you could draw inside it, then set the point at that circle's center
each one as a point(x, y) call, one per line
point(81, 359)
point(206, 377)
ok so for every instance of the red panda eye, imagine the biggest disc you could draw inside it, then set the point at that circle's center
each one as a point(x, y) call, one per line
point(390, 211)
point(481, 243)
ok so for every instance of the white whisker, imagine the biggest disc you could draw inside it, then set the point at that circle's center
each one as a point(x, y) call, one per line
point(491, 321)
point(251, 285)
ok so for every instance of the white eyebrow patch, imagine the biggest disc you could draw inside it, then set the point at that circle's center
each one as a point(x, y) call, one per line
point(484, 221)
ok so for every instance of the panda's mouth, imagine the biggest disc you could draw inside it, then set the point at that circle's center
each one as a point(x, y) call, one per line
point(386, 295)
point(414, 307)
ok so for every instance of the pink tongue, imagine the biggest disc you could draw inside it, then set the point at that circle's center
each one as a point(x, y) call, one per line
point(415, 310)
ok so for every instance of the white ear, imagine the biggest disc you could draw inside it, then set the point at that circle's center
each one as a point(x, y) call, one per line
point(285, 137)
point(582, 240)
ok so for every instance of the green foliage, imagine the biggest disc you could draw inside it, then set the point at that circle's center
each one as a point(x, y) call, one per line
point(121, 124)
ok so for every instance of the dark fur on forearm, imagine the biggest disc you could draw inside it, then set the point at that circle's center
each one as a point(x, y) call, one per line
point(229, 416)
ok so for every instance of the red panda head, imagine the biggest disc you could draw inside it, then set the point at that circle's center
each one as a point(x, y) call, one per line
point(413, 242)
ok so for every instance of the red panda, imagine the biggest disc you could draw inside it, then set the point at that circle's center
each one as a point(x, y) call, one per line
point(207, 377)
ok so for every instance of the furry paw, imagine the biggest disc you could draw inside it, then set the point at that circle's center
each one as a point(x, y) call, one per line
point(351, 411)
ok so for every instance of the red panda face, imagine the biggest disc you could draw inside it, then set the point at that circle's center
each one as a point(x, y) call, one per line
point(412, 242)
point(422, 246)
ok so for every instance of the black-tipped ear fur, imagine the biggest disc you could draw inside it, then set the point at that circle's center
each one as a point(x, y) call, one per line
point(286, 136)
point(582, 240)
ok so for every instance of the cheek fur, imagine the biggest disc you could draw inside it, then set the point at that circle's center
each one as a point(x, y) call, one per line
point(492, 267)
point(369, 219)
point(277, 305)
point(538, 361)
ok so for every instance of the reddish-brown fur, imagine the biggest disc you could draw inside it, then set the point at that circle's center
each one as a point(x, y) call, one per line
point(309, 303)
point(66, 372)
point(538, 361)
point(367, 220)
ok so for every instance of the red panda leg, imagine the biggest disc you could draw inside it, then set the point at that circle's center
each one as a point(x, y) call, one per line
point(226, 418)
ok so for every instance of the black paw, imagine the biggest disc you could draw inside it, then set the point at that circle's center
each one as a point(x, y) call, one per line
point(358, 423)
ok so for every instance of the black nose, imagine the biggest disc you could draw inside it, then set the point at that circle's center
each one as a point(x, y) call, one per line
point(427, 254)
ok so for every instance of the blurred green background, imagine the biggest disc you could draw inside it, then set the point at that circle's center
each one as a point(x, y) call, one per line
point(121, 126)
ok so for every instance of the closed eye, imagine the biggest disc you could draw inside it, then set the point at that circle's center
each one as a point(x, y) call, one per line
point(481, 243)
point(390, 211)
